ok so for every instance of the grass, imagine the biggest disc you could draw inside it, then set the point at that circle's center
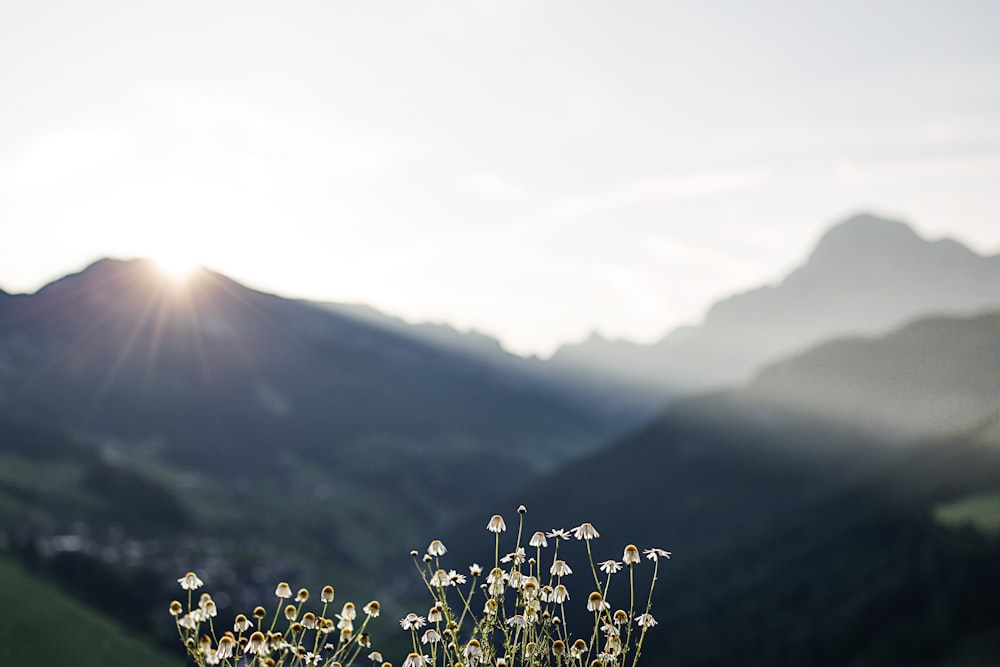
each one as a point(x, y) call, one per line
point(980, 511)
point(40, 626)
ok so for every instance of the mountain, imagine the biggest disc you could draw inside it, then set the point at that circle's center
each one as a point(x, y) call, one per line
point(866, 276)
point(245, 399)
point(802, 533)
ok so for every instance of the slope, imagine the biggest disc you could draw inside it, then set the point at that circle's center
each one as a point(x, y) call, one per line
point(866, 276)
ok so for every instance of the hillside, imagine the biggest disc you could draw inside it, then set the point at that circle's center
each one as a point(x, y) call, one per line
point(43, 626)
point(207, 375)
point(808, 537)
point(866, 276)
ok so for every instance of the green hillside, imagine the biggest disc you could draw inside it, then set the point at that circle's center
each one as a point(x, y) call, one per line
point(41, 627)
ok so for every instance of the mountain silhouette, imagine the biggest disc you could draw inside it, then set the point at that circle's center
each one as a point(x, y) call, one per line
point(254, 393)
point(866, 276)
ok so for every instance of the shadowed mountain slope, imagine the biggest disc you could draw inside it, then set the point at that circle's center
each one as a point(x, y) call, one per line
point(801, 533)
point(256, 394)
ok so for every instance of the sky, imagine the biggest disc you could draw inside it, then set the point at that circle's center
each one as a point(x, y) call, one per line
point(532, 169)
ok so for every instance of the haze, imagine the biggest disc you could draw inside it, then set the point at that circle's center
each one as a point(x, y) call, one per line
point(534, 170)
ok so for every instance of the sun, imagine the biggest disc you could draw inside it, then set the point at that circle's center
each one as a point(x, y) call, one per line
point(177, 266)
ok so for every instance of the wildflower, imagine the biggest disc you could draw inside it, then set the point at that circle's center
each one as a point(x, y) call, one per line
point(558, 647)
point(559, 534)
point(375, 656)
point(631, 555)
point(496, 524)
point(517, 621)
point(610, 566)
point(241, 623)
point(545, 593)
point(283, 590)
point(434, 614)
point(475, 569)
point(291, 612)
point(521, 509)
point(348, 611)
point(454, 578)
point(437, 548)
point(496, 580)
point(472, 651)
point(654, 554)
point(372, 609)
point(645, 620)
point(259, 612)
point(176, 608)
point(226, 645)
point(188, 622)
point(412, 622)
point(302, 595)
point(365, 640)
point(517, 556)
point(595, 602)
point(620, 617)
point(530, 588)
point(490, 607)
point(309, 621)
point(210, 608)
point(326, 595)
point(560, 568)
point(431, 636)
point(515, 578)
point(257, 643)
point(414, 660)
point(346, 634)
point(538, 540)
point(560, 594)
point(190, 581)
point(344, 623)
point(585, 531)
point(578, 648)
point(440, 578)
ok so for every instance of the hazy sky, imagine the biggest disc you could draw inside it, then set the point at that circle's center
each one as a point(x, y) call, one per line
point(535, 169)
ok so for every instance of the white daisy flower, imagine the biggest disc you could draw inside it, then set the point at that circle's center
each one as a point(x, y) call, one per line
point(654, 554)
point(631, 555)
point(437, 548)
point(412, 622)
point(585, 531)
point(595, 602)
point(517, 556)
point(610, 566)
point(559, 534)
point(538, 540)
point(496, 524)
point(190, 581)
point(560, 568)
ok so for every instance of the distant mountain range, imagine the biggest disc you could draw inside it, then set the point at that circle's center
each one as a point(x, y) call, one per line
point(866, 276)
point(854, 405)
